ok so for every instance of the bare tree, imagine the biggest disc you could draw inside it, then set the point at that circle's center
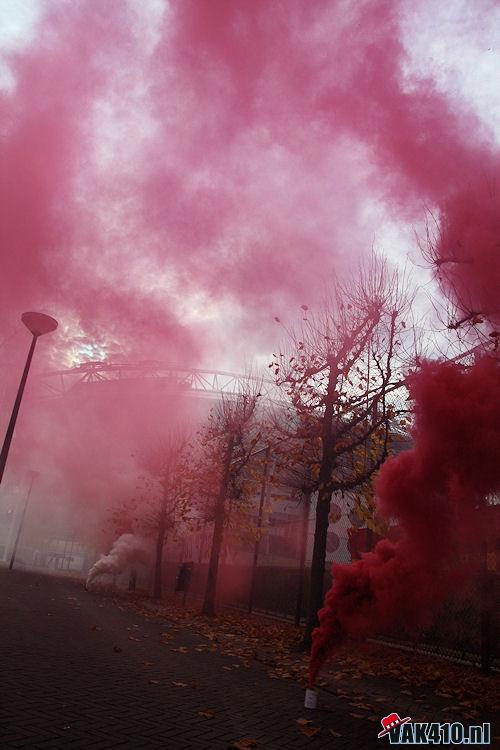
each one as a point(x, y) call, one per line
point(338, 371)
point(166, 496)
point(226, 443)
point(294, 460)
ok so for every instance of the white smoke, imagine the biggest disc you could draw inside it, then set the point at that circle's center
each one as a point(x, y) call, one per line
point(127, 550)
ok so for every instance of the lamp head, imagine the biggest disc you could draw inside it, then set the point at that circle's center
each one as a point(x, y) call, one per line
point(38, 323)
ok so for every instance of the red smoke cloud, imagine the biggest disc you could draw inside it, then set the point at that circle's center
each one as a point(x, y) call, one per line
point(220, 155)
point(62, 229)
point(434, 493)
point(305, 76)
point(468, 252)
point(170, 182)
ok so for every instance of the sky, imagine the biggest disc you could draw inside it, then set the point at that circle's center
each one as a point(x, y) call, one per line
point(175, 195)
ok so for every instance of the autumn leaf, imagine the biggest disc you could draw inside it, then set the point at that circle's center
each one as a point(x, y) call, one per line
point(309, 731)
point(206, 714)
point(303, 722)
point(245, 744)
point(179, 684)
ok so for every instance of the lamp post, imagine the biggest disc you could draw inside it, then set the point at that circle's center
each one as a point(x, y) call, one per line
point(38, 324)
point(34, 475)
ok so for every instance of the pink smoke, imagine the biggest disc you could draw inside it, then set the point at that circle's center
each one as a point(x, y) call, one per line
point(171, 183)
point(225, 162)
point(434, 493)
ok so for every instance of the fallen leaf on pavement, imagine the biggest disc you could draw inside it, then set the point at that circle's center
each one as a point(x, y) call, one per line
point(206, 714)
point(303, 722)
point(245, 744)
point(309, 731)
point(363, 706)
point(179, 684)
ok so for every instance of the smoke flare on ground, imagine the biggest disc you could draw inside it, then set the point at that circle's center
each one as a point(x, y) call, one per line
point(127, 550)
point(436, 495)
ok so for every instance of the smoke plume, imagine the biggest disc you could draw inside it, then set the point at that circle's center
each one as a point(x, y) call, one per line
point(195, 168)
point(435, 494)
point(176, 174)
point(127, 550)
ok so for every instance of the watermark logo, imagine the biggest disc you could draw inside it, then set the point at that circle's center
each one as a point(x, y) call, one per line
point(407, 732)
point(392, 722)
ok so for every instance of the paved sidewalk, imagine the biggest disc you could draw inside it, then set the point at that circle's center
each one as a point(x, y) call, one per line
point(80, 671)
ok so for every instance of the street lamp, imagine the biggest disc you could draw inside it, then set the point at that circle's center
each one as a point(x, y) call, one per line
point(38, 324)
point(34, 475)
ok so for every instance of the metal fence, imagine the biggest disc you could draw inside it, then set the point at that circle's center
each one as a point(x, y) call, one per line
point(464, 628)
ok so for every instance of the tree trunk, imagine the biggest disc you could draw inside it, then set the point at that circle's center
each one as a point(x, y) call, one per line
point(317, 565)
point(160, 541)
point(259, 527)
point(132, 581)
point(369, 538)
point(322, 512)
point(303, 549)
point(220, 512)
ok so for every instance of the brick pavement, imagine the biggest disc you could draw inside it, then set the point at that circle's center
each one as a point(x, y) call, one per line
point(80, 671)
